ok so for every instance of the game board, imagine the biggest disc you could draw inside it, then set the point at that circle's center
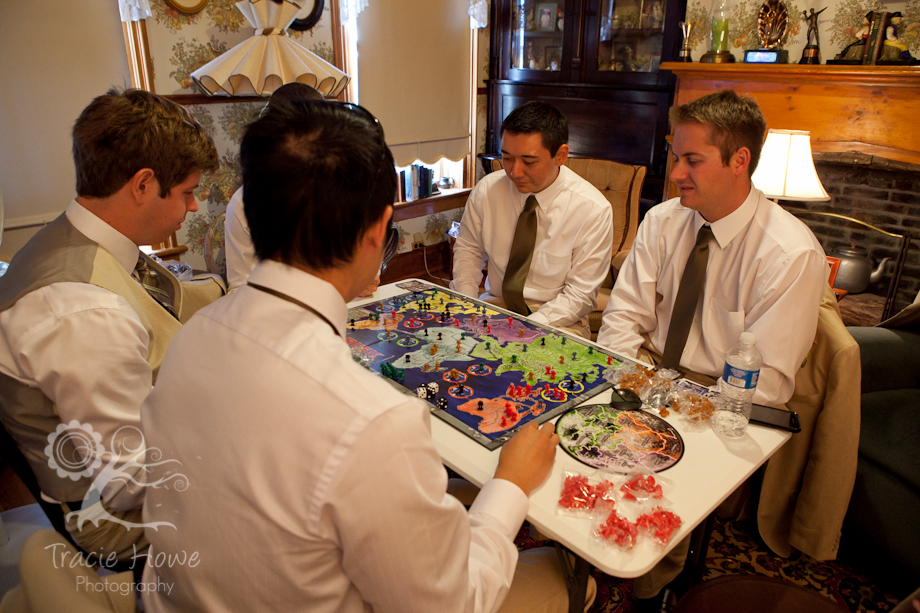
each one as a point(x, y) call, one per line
point(484, 370)
point(619, 440)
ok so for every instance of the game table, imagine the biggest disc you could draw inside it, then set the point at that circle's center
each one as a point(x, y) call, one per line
point(709, 470)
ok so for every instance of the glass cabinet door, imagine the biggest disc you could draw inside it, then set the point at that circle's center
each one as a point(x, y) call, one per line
point(537, 30)
point(631, 35)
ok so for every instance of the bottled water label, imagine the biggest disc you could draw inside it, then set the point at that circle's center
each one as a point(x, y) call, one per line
point(738, 377)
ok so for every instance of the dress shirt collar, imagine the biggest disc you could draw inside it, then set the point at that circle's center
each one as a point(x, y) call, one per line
point(727, 228)
point(548, 195)
point(120, 246)
point(320, 295)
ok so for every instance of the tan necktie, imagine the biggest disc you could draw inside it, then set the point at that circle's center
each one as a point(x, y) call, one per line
point(147, 277)
point(688, 296)
point(525, 235)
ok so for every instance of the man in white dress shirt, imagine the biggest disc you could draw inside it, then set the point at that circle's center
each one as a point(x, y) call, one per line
point(81, 338)
point(329, 491)
point(766, 271)
point(574, 236)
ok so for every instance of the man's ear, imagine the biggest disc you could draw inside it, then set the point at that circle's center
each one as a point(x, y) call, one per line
point(740, 161)
point(143, 185)
point(562, 155)
point(377, 233)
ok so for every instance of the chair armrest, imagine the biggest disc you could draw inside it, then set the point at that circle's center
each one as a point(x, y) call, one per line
point(890, 358)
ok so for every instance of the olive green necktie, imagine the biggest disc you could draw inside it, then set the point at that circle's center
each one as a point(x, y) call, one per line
point(688, 296)
point(525, 235)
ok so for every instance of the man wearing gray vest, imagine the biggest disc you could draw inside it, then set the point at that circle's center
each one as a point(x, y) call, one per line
point(85, 320)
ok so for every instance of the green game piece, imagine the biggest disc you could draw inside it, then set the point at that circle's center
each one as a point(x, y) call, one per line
point(513, 359)
point(488, 345)
point(463, 336)
point(590, 350)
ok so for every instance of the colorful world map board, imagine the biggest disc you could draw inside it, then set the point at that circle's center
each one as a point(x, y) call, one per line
point(484, 370)
point(619, 440)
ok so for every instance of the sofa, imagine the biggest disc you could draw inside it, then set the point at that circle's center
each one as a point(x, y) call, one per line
point(881, 532)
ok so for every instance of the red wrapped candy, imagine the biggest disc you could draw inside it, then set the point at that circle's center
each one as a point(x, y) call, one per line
point(641, 486)
point(618, 531)
point(660, 524)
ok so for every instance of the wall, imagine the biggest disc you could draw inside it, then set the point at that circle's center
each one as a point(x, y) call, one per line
point(54, 63)
point(835, 25)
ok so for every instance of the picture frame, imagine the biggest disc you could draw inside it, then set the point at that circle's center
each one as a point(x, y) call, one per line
point(835, 266)
point(189, 7)
point(553, 54)
point(545, 16)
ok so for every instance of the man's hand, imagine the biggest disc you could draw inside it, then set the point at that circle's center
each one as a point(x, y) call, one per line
point(370, 289)
point(528, 457)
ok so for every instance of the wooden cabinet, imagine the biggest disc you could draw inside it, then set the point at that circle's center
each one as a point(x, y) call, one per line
point(597, 61)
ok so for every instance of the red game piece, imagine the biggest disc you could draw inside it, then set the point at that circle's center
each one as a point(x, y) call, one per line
point(609, 360)
point(546, 387)
point(489, 330)
point(548, 368)
point(552, 375)
point(511, 321)
point(511, 389)
point(527, 388)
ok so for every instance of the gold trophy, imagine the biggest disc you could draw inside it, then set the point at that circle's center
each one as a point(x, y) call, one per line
point(684, 54)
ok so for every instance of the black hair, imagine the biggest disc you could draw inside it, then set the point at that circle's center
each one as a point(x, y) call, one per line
point(316, 176)
point(537, 117)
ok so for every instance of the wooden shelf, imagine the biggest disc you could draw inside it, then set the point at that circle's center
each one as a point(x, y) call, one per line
point(452, 199)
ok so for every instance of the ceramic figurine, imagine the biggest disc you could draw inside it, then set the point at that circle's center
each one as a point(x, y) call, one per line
point(854, 51)
point(895, 48)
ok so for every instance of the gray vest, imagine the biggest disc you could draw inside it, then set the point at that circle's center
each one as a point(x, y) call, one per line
point(60, 253)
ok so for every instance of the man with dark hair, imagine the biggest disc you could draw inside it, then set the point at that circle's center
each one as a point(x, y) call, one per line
point(241, 255)
point(82, 333)
point(333, 486)
point(761, 269)
point(545, 232)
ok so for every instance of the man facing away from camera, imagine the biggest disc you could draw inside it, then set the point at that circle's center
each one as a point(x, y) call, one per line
point(312, 483)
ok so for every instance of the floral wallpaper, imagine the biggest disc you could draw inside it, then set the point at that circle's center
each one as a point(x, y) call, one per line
point(836, 26)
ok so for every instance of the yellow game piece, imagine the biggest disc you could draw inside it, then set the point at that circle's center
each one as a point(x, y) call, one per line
point(521, 333)
point(562, 359)
point(437, 366)
point(434, 349)
point(425, 367)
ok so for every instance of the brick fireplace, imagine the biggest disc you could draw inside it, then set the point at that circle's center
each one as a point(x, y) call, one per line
point(862, 121)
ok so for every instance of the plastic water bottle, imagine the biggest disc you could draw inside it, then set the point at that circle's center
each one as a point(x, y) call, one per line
point(739, 380)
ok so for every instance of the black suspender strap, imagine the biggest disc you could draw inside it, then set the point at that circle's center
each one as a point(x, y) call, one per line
point(302, 305)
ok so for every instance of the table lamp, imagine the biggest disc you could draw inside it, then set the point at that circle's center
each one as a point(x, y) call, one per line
point(786, 170)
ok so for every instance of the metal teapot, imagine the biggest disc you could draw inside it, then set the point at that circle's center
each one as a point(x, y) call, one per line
point(855, 272)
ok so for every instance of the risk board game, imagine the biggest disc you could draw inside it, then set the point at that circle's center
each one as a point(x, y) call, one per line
point(484, 370)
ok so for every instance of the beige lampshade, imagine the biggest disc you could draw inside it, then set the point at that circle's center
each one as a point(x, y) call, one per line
point(269, 59)
point(786, 169)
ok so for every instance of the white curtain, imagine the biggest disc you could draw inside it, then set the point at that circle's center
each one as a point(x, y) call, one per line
point(414, 67)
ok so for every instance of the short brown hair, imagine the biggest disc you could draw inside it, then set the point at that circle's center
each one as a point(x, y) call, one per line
point(735, 122)
point(120, 133)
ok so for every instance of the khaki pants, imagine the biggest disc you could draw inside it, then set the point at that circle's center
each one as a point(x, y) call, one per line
point(109, 536)
point(578, 328)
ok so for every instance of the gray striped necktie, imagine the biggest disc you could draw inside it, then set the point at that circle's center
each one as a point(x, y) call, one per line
point(147, 277)
point(688, 296)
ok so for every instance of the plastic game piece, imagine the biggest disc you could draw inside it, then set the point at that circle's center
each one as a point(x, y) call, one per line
point(488, 345)
point(552, 375)
point(574, 355)
point(439, 336)
point(524, 347)
point(563, 340)
point(562, 359)
point(407, 358)
point(510, 391)
point(521, 333)
point(513, 359)
point(609, 360)
point(434, 349)
point(543, 342)
point(463, 336)
point(546, 388)
point(511, 321)
point(479, 406)
point(590, 350)
point(519, 391)
point(437, 366)
point(489, 330)
point(425, 367)
point(426, 331)
point(548, 369)
point(352, 322)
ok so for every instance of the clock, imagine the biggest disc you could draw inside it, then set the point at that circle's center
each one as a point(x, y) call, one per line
point(766, 56)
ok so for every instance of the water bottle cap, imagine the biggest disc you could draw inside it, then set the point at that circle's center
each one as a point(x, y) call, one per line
point(748, 338)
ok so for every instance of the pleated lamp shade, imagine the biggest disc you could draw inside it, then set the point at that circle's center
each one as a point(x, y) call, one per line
point(269, 59)
point(786, 169)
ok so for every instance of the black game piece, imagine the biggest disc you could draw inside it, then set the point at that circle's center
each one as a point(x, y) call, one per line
point(439, 336)
point(352, 322)
point(479, 406)
point(584, 377)
point(543, 342)
point(563, 340)
point(407, 358)
point(426, 331)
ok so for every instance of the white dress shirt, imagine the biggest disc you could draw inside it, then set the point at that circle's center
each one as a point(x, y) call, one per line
point(240, 254)
point(313, 484)
point(86, 349)
point(572, 251)
point(766, 274)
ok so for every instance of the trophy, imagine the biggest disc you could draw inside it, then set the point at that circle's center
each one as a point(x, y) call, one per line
point(772, 26)
point(684, 54)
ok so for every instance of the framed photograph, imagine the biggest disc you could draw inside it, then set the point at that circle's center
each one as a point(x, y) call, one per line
point(187, 6)
point(553, 58)
point(546, 16)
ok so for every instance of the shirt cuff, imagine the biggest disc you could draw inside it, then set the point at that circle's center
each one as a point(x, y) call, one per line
point(504, 502)
point(538, 317)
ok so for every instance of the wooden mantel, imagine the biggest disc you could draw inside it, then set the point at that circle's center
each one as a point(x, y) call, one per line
point(873, 110)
